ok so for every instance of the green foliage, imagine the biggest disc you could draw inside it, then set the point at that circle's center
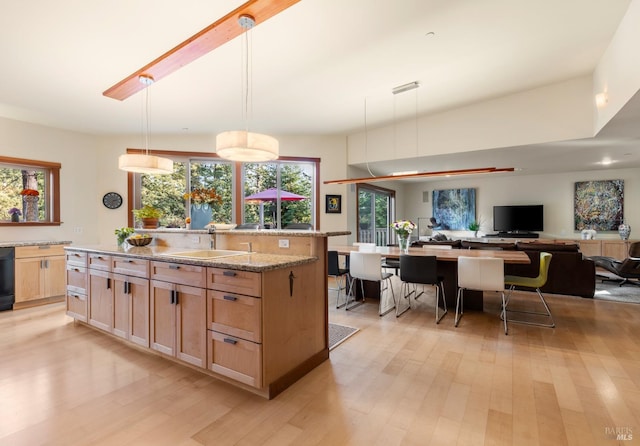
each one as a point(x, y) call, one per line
point(147, 212)
point(12, 181)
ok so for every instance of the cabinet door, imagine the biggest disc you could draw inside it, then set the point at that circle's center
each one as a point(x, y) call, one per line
point(590, 248)
point(131, 309)
point(618, 249)
point(191, 328)
point(77, 305)
point(139, 311)
point(55, 276)
point(101, 300)
point(29, 280)
point(162, 317)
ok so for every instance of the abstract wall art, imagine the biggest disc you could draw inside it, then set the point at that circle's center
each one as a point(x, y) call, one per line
point(598, 205)
point(454, 209)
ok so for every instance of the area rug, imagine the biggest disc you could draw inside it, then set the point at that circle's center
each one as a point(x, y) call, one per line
point(607, 290)
point(339, 333)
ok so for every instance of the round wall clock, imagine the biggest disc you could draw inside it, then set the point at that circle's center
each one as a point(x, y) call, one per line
point(112, 200)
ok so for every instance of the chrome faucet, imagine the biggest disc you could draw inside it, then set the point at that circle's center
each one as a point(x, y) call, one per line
point(212, 242)
point(248, 246)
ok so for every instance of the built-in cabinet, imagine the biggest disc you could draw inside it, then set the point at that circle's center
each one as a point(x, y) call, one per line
point(226, 321)
point(178, 311)
point(618, 249)
point(39, 274)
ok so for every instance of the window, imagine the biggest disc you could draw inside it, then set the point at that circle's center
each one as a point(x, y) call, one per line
point(376, 207)
point(17, 175)
point(200, 173)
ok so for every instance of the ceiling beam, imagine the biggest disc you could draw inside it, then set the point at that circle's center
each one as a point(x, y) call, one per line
point(443, 173)
point(210, 38)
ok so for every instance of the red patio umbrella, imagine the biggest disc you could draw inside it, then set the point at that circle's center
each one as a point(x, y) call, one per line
point(271, 194)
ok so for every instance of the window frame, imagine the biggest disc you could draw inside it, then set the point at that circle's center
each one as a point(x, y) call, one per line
point(52, 193)
point(237, 175)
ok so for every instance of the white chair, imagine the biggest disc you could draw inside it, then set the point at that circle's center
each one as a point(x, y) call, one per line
point(366, 266)
point(365, 247)
point(480, 274)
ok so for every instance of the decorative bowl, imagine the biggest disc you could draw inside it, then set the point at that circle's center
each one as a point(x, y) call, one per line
point(139, 241)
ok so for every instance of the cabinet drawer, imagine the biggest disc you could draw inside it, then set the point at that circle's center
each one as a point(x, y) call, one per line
point(77, 305)
point(76, 258)
point(191, 275)
point(39, 251)
point(233, 281)
point(100, 261)
point(235, 358)
point(130, 266)
point(235, 315)
point(76, 278)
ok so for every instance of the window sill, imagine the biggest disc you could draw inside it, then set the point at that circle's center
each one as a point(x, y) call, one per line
point(31, 223)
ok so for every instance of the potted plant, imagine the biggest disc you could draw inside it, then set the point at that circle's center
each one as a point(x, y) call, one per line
point(475, 227)
point(148, 215)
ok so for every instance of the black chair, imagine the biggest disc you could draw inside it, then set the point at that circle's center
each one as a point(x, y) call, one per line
point(338, 274)
point(393, 264)
point(248, 226)
point(421, 270)
point(305, 226)
point(626, 269)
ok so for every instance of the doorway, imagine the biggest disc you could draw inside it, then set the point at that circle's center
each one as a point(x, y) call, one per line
point(376, 208)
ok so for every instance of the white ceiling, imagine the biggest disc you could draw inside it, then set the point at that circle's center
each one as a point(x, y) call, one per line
point(313, 66)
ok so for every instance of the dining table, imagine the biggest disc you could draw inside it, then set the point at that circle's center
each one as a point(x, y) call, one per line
point(447, 260)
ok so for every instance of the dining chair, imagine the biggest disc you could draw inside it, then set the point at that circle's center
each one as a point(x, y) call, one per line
point(530, 282)
point(366, 266)
point(339, 274)
point(421, 270)
point(479, 274)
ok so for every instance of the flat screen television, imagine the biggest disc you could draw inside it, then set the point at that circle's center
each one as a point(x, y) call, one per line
point(518, 219)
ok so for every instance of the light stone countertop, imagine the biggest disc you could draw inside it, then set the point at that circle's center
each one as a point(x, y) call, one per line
point(33, 243)
point(254, 262)
point(261, 232)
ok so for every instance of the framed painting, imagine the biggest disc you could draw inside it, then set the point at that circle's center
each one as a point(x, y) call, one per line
point(333, 204)
point(598, 205)
point(453, 209)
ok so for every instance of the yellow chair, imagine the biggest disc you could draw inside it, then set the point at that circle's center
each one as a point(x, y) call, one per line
point(530, 282)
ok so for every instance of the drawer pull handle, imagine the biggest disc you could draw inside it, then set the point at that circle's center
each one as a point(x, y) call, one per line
point(231, 298)
point(174, 267)
point(44, 247)
point(230, 341)
point(229, 273)
point(129, 261)
point(76, 270)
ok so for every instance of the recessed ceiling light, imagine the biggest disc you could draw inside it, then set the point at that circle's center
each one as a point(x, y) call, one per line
point(606, 161)
point(430, 34)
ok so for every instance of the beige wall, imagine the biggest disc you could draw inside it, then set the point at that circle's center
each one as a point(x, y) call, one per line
point(89, 170)
point(554, 191)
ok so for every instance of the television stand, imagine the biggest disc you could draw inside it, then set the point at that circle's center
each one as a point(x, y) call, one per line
point(516, 234)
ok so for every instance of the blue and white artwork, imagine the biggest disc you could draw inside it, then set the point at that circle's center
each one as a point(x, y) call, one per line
point(454, 209)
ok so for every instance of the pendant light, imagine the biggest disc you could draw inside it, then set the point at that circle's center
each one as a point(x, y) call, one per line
point(145, 163)
point(242, 145)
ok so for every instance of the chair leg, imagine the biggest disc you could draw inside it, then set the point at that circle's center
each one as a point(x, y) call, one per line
point(395, 304)
point(342, 285)
point(407, 295)
point(504, 305)
point(459, 307)
point(352, 293)
point(439, 291)
point(546, 313)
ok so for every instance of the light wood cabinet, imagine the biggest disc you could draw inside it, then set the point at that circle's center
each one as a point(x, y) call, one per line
point(178, 311)
point(100, 300)
point(76, 301)
point(39, 273)
point(131, 308)
point(590, 248)
point(618, 249)
point(178, 321)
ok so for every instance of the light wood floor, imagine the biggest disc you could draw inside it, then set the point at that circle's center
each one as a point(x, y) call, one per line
point(402, 381)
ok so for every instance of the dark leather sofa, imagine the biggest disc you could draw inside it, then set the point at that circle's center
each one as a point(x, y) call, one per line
point(569, 272)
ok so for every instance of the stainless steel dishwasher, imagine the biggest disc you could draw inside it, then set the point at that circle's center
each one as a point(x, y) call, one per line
point(7, 294)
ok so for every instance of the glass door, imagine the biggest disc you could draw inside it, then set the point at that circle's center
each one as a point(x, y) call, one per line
point(375, 214)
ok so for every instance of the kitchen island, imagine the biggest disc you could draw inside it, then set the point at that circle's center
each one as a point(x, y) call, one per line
point(257, 320)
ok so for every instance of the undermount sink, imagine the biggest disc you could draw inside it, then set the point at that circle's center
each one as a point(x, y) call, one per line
point(206, 254)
